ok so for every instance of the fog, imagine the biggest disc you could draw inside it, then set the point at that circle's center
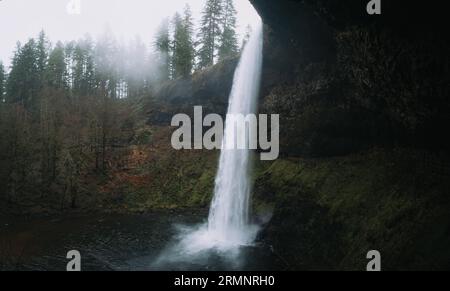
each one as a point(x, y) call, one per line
point(126, 19)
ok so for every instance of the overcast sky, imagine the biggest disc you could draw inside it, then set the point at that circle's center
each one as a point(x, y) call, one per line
point(22, 19)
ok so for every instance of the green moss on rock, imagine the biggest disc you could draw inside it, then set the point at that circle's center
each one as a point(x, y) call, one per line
point(383, 200)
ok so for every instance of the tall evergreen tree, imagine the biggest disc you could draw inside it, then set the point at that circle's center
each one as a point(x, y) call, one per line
point(162, 46)
point(13, 82)
point(79, 70)
point(182, 45)
point(210, 32)
point(24, 79)
point(56, 72)
point(228, 40)
point(188, 42)
point(42, 53)
point(2, 82)
point(176, 46)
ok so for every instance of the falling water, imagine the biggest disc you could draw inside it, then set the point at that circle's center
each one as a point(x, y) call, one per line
point(228, 226)
point(229, 215)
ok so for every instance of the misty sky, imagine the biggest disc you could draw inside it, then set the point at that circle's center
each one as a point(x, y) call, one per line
point(22, 19)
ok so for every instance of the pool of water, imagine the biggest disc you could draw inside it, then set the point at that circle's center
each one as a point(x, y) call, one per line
point(120, 242)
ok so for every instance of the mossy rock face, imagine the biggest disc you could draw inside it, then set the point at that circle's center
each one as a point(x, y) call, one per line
point(209, 88)
point(143, 137)
point(330, 212)
point(203, 190)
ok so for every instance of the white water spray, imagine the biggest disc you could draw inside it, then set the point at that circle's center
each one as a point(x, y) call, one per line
point(229, 215)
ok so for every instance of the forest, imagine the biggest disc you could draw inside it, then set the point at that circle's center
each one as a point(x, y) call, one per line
point(67, 108)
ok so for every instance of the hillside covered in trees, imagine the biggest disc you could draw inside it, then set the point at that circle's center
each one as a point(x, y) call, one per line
point(69, 111)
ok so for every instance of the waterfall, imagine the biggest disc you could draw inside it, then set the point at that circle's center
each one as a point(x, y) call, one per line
point(229, 214)
point(229, 226)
